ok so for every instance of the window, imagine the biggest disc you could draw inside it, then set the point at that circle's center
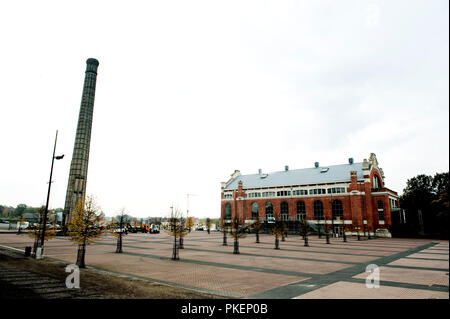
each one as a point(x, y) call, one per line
point(376, 182)
point(336, 190)
point(253, 195)
point(301, 210)
point(300, 192)
point(317, 191)
point(380, 210)
point(228, 196)
point(227, 211)
point(269, 210)
point(284, 193)
point(268, 194)
point(284, 209)
point(337, 209)
point(318, 210)
point(255, 211)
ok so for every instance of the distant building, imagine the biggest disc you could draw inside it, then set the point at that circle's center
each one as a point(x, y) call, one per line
point(353, 194)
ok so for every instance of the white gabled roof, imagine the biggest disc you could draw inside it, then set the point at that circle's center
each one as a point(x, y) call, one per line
point(335, 173)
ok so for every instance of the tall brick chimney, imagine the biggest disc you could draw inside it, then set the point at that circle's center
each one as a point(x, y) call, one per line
point(76, 186)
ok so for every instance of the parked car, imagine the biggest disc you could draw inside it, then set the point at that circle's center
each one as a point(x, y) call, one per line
point(25, 225)
point(154, 229)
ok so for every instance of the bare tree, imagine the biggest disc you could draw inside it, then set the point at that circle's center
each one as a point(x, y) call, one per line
point(208, 224)
point(185, 231)
point(237, 231)
point(118, 228)
point(326, 230)
point(256, 226)
point(304, 231)
point(224, 229)
point(277, 230)
point(176, 228)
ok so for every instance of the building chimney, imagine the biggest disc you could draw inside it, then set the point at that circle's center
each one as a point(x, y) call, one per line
point(350, 160)
point(316, 164)
point(286, 168)
point(76, 186)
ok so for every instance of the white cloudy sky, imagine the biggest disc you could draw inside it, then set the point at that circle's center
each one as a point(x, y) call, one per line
point(189, 91)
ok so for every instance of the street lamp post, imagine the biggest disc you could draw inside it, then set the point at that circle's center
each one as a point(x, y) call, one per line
point(44, 219)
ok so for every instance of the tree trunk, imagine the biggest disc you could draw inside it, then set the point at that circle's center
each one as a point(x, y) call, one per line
point(277, 243)
point(181, 243)
point(224, 239)
point(236, 246)
point(306, 241)
point(257, 237)
point(175, 249)
point(80, 255)
point(119, 244)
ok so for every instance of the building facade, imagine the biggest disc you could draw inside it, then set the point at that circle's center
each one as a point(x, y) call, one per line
point(352, 195)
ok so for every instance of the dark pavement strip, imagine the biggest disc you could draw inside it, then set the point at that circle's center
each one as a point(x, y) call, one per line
point(424, 258)
point(418, 268)
point(317, 282)
point(426, 252)
point(403, 285)
point(348, 245)
point(303, 250)
point(276, 257)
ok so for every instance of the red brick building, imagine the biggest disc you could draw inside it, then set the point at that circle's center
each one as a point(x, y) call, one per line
point(352, 194)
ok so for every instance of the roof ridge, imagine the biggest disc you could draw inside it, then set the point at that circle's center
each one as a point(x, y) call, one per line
point(299, 169)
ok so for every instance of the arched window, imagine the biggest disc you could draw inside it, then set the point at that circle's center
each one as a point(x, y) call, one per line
point(380, 210)
point(269, 210)
point(337, 209)
point(301, 211)
point(318, 209)
point(255, 211)
point(227, 211)
point(284, 209)
point(376, 182)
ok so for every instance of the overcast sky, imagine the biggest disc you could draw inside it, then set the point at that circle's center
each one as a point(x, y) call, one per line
point(189, 91)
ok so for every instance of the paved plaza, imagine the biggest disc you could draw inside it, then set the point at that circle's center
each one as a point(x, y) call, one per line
point(408, 268)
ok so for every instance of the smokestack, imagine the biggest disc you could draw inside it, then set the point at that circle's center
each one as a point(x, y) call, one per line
point(350, 160)
point(76, 187)
point(286, 168)
point(316, 164)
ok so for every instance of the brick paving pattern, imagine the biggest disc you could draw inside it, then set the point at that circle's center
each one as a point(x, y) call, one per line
point(409, 268)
